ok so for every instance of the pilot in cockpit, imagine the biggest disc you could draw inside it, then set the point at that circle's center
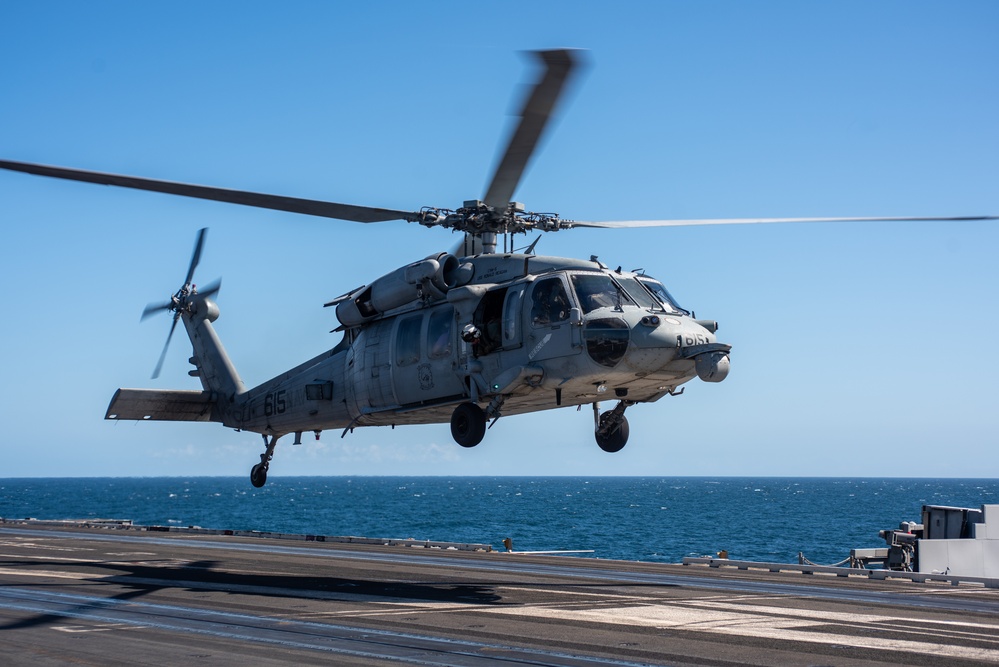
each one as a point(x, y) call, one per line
point(551, 304)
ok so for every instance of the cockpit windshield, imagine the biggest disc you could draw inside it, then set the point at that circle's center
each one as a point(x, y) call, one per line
point(662, 294)
point(596, 290)
point(638, 293)
point(600, 290)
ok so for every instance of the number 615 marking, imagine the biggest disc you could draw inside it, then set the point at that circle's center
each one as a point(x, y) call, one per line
point(274, 403)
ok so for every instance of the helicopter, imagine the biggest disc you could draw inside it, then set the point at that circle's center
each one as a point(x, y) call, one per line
point(463, 337)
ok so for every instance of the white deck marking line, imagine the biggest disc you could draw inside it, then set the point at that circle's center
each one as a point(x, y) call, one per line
point(690, 618)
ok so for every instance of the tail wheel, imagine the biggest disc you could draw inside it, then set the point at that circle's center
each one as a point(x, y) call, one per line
point(468, 424)
point(610, 438)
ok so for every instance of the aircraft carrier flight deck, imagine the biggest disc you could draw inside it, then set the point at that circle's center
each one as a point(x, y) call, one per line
point(107, 596)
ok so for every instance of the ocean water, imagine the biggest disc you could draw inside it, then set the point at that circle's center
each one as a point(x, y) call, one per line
point(643, 519)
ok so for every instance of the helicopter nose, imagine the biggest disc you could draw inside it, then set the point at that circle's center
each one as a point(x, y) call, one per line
point(660, 341)
point(697, 341)
point(654, 343)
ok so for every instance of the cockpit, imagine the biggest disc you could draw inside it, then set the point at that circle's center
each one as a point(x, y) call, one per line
point(596, 290)
point(661, 293)
point(600, 290)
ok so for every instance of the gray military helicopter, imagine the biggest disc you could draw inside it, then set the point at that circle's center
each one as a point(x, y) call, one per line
point(463, 337)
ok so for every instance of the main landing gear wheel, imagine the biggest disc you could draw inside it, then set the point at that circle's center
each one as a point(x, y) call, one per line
point(468, 424)
point(258, 475)
point(610, 437)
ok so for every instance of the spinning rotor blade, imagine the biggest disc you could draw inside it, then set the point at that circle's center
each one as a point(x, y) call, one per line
point(154, 308)
point(210, 289)
point(179, 303)
point(276, 202)
point(750, 221)
point(196, 257)
point(534, 118)
point(159, 364)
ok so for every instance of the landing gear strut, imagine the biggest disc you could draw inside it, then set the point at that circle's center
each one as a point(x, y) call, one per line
point(258, 473)
point(468, 424)
point(611, 428)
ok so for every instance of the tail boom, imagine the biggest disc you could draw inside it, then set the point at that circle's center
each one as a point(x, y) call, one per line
point(215, 369)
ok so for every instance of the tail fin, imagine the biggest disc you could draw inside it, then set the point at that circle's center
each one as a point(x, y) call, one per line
point(219, 402)
point(214, 367)
point(223, 388)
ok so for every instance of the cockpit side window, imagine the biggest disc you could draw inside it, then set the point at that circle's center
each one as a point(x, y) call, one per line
point(549, 303)
point(596, 290)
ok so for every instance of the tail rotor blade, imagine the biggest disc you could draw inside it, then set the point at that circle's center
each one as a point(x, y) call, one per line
point(159, 364)
point(210, 289)
point(154, 308)
point(196, 257)
point(180, 303)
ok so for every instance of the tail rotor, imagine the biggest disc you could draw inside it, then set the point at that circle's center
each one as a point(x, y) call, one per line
point(159, 364)
point(180, 301)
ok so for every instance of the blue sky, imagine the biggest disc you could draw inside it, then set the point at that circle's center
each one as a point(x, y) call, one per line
point(858, 349)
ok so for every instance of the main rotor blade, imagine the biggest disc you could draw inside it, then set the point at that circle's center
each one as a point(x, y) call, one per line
point(159, 364)
point(314, 207)
point(196, 257)
point(750, 221)
point(534, 117)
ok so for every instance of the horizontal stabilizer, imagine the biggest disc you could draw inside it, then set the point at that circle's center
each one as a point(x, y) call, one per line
point(162, 405)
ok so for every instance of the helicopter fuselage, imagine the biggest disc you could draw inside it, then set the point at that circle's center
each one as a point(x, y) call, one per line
point(523, 334)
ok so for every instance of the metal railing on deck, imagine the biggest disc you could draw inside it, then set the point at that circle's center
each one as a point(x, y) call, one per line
point(877, 575)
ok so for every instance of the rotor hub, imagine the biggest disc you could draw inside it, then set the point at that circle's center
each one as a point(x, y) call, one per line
point(476, 218)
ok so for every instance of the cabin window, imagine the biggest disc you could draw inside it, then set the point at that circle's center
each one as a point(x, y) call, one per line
point(439, 333)
point(549, 303)
point(407, 340)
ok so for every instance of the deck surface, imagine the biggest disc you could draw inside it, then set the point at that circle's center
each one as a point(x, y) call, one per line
point(116, 597)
